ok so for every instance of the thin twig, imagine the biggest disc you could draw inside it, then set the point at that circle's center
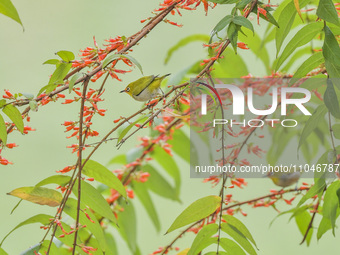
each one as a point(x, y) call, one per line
point(80, 141)
point(280, 193)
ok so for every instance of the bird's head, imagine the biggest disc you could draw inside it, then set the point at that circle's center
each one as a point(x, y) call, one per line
point(127, 90)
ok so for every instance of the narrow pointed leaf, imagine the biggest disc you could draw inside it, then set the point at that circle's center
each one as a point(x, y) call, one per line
point(113, 57)
point(43, 219)
point(38, 195)
point(331, 100)
point(242, 21)
point(144, 196)
point(183, 42)
point(93, 227)
point(32, 250)
point(3, 131)
point(101, 174)
point(14, 114)
point(73, 81)
point(61, 180)
point(331, 53)
point(91, 197)
point(8, 9)
point(202, 237)
point(310, 64)
point(198, 210)
point(313, 121)
point(331, 203)
point(231, 247)
point(128, 226)
point(231, 220)
point(2, 252)
point(303, 36)
point(302, 221)
point(159, 185)
point(316, 189)
point(326, 11)
point(169, 165)
point(238, 237)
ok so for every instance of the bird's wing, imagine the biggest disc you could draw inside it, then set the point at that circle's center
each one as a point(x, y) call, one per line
point(150, 79)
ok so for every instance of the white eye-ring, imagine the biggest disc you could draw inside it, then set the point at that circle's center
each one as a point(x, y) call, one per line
point(127, 89)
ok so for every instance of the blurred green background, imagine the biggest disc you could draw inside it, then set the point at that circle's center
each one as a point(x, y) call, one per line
point(51, 26)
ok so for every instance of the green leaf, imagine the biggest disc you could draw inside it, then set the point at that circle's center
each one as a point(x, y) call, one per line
point(198, 210)
point(310, 64)
point(326, 11)
point(43, 219)
point(331, 53)
point(58, 75)
point(231, 247)
point(52, 62)
point(13, 113)
point(236, 223)
point(73, 81)
point(331, 100)
point(202, 237)
point(169, 165)
point(183, 42)
point(112, 246)
point(159, 185)
point(8, 9)
point(128, 226)
point(303, 36)
point(180, 144)
point(313, 121)
point(113, 57)
point(338, 194)
point(67, 56)
point(33, 105)
point(61, 180)
point(336, 131)
point(101, 174)
point(317, 188)
point(285, 21)
point(127, 129)
point(2, 102)
point(244, 22)
point(38, 195)
point(144, 196)
point(119, 159)
point(2, 252)
point(32, 250)
point(91, 197)
point(302, 221)
point(324, 226)
point(224, 22)
point(3, 131)
point(331, 203)
point(238, 237)
point(93, 227)
point(232, 33)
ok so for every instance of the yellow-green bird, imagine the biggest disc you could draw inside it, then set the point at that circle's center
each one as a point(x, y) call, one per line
point(285, 179)
point(145, 88)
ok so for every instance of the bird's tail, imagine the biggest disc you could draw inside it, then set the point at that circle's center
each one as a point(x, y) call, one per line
point(162, 77)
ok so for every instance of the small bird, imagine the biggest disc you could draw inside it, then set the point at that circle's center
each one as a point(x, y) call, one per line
point(145, 88)
point(284, 179)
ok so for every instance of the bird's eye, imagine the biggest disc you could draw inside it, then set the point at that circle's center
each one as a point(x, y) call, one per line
point(127, 89)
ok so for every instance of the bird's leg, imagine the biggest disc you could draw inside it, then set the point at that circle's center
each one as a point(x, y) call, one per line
point(163, 95)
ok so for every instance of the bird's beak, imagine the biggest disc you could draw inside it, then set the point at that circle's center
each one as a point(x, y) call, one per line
point(122, 91)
